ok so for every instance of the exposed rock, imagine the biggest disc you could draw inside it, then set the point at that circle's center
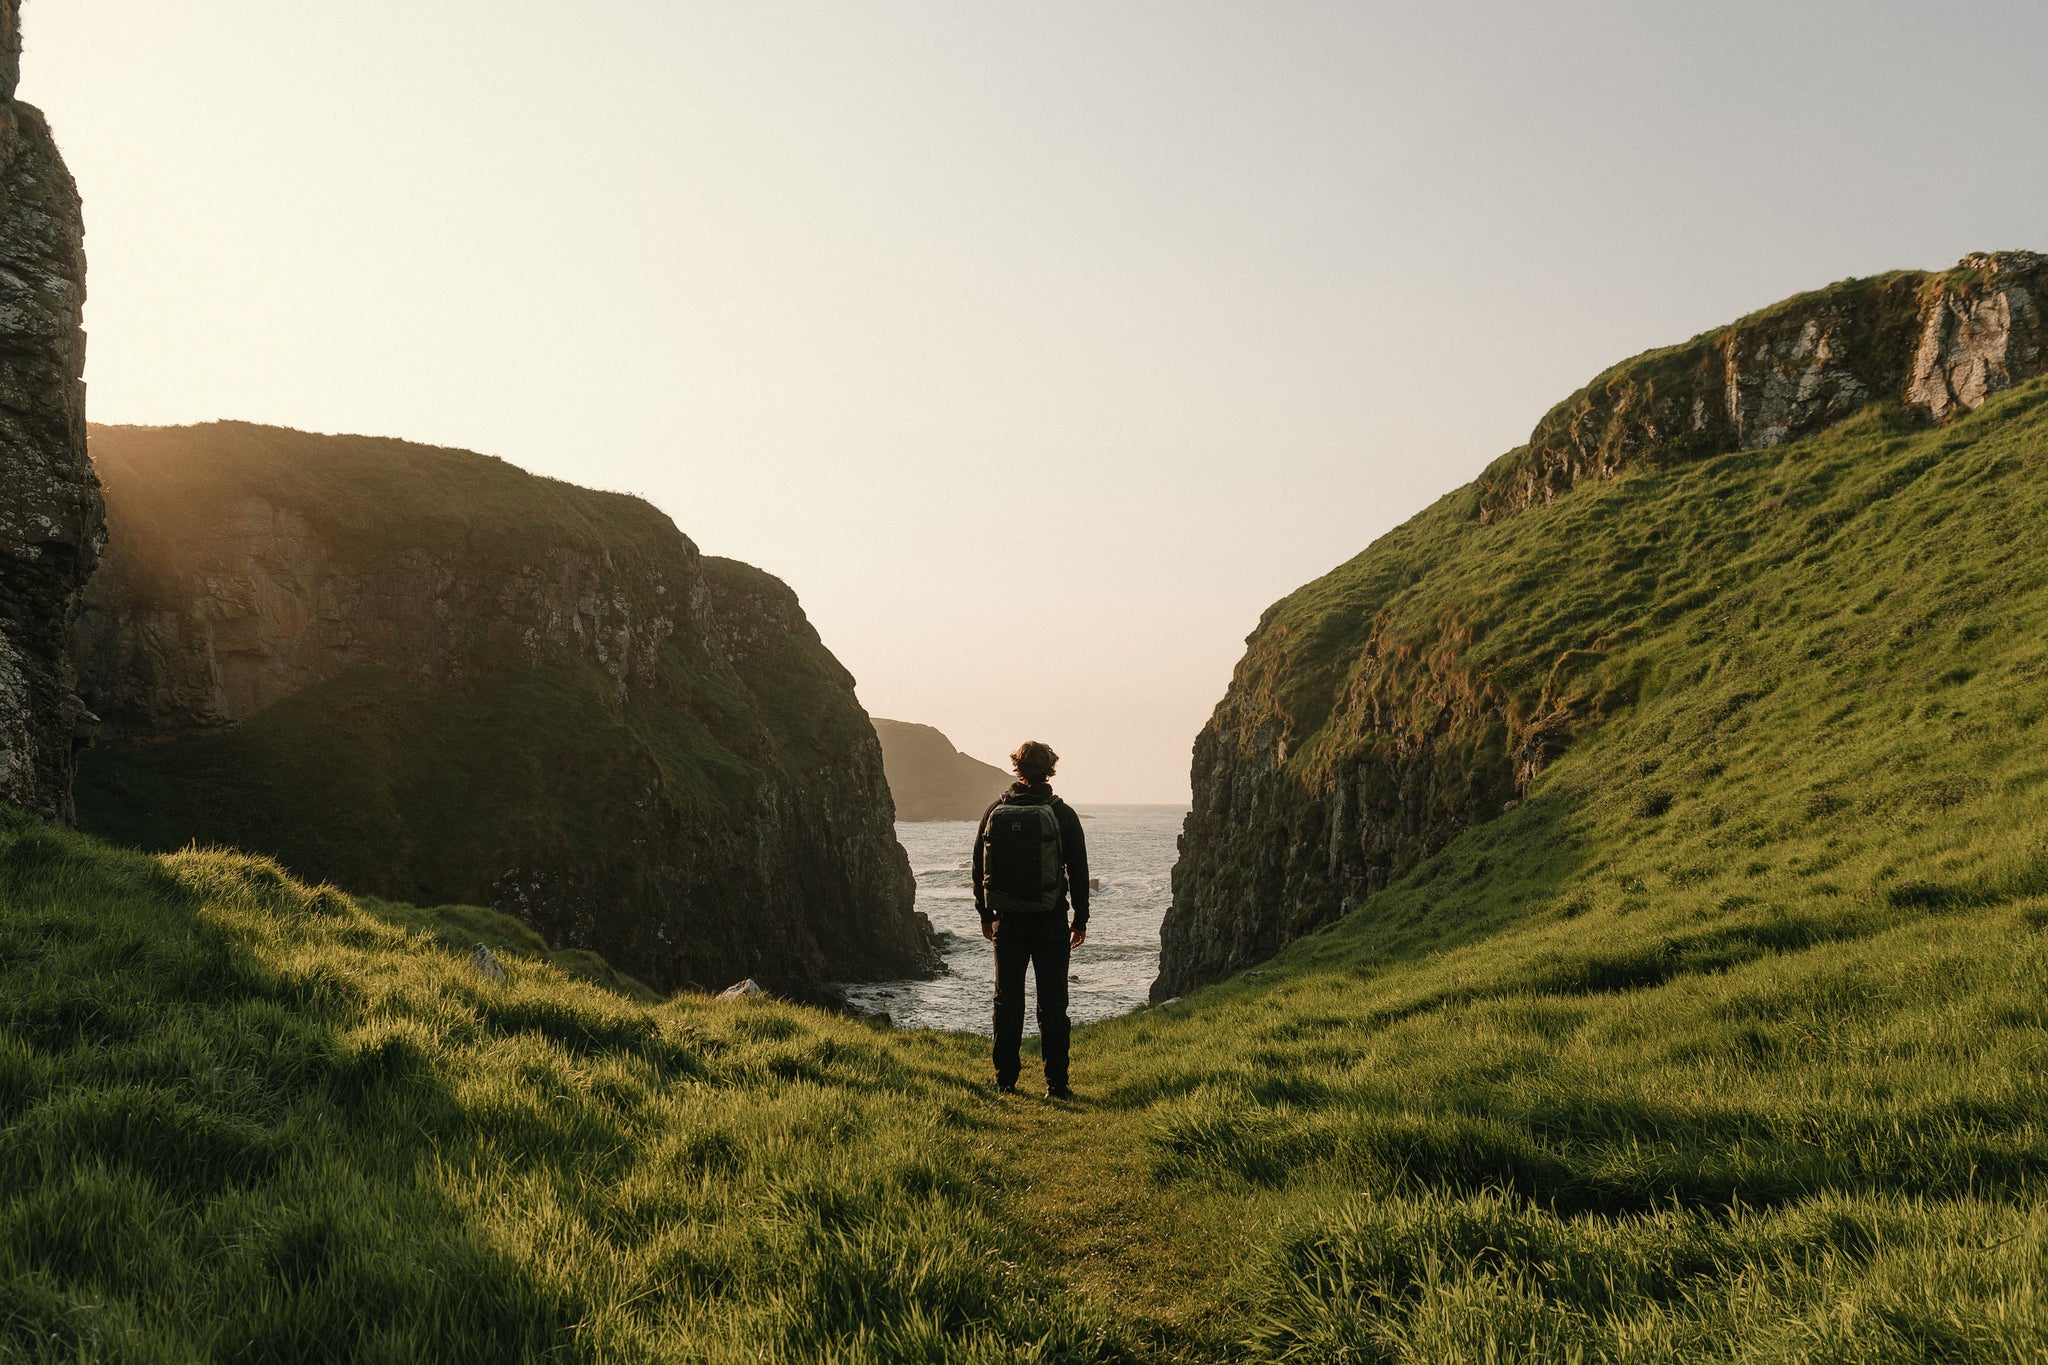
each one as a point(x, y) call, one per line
point(742, 990)
point(1433, 745)
point(1939, 343)
point(930, 779)
point(10, 47)
point(50, 517)
point(428, 675)
point(481, 958)
point(1368, 725)
point(1980, 331)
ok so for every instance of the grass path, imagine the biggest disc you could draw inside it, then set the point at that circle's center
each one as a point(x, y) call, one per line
point(1153, 1260)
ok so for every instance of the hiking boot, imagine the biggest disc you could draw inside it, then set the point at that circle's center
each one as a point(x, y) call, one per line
point(1006, 1087)
point(1058, 1092)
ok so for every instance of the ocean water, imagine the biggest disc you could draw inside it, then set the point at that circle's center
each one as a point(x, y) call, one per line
point(1130, 853)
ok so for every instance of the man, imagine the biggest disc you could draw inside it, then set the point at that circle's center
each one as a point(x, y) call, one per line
point(1030, 858)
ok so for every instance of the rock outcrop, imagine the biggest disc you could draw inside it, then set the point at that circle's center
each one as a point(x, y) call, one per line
point(1382, 710)
point(930, 779)
point(50, 513)
point(425, 674)
point(1939, 343)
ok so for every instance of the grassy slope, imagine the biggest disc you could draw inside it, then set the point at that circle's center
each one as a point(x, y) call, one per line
point(465, 927)
point(1725, 1044)
point(423, 495)
point(244, 1119)
point(1727, 1041)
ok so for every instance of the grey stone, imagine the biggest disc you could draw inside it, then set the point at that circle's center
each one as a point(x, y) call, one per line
point(51, 518)
point(481, 958)
point(1979, 336)
point(1941, 343)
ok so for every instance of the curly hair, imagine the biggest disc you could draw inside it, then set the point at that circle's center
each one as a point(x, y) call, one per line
point(1034, 761)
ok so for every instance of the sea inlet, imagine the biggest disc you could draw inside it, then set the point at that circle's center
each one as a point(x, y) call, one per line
point(1131, 850)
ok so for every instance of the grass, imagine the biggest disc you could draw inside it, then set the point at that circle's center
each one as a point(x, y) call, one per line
point(1725, 1043)
point(1823, 598)
point(246, 1119)
point(464, 927)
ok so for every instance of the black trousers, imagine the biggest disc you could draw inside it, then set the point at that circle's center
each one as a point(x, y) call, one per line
point(1041, 941)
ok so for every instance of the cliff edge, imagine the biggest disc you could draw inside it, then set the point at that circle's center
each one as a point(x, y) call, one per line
point(1423, 687)
point(930, 779)
point(429, 675)
point(50, 516)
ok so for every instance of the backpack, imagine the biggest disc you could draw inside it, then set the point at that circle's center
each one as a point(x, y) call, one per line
point(1022, 870)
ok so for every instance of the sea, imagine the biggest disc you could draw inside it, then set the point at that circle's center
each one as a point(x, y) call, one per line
point(1131, 850)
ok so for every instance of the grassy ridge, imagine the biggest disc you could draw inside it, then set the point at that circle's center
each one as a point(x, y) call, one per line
point(1724, 1044)
point(1727, 1040)
point(431, 496)
point(247, 1120)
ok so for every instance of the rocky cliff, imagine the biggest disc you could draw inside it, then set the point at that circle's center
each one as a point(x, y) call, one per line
point(1939, 343)
point(426, 674)
point(1424, 686)
point(50, 514)
point(930, 779)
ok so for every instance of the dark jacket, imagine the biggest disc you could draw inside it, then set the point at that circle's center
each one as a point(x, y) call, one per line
point(1073, 848)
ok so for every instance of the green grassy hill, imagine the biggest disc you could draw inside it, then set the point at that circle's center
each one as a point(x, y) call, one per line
point(1425, 686)
point(1726, 1043)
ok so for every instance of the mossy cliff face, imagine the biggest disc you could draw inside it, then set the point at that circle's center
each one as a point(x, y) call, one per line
point(1421, 688)
point(426, 674)
point(50, 514)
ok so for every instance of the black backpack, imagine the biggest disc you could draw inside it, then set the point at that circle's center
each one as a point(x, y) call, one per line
point(1022, 870)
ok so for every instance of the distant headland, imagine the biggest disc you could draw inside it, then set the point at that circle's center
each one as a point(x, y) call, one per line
point(930, 779)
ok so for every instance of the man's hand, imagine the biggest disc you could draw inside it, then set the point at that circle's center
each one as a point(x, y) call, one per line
point(988, 930)
point(1077, 938)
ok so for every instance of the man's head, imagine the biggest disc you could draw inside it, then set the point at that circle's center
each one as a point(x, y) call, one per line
point(1034, 761)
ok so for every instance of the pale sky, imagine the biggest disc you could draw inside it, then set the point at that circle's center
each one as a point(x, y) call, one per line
point(1038, 346)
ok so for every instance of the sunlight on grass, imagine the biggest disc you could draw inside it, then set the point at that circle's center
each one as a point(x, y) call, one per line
point(1726, 1043)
